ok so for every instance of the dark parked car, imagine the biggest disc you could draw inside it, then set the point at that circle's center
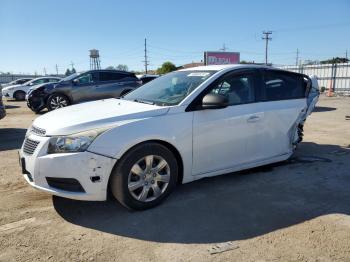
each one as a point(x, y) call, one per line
point(81, 87)
point(147, 78)
point(2, 108)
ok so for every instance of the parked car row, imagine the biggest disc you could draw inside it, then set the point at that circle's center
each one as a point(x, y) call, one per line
point(180, 127)
point(19, 90)
point(53, 92)
point(82, 87)
point(19, 81)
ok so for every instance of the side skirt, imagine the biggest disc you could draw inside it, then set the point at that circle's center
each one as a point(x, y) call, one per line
point(241, 167)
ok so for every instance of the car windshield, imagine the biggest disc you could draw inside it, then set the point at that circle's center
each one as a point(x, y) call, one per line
point(70, 77)
point(169, 89)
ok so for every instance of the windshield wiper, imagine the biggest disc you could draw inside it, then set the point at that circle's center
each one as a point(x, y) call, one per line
point(144, 101)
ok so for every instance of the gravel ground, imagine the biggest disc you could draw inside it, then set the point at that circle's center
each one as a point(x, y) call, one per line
point(297, 210)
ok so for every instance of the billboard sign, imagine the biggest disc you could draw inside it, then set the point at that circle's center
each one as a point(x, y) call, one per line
point(221, 58)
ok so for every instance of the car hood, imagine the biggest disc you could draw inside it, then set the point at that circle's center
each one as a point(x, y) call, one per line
point(96, 114)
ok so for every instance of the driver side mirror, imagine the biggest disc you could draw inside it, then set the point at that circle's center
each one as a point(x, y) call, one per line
point(214, 101)
point(75, 82)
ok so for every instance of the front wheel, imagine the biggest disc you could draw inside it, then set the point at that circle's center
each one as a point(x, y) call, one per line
point(19, 95)
point(144, 176)
point(56, 101)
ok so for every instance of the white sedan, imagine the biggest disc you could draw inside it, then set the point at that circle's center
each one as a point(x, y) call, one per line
point(183, 126)
point(18, 92)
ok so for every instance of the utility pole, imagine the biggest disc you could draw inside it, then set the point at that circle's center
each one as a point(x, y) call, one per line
point(71, 64)
point(56, 69)
point(346, 53)
point(267, 39)
point(297, 58)
point(44, 69)
point(146, 58)
point(224, 48)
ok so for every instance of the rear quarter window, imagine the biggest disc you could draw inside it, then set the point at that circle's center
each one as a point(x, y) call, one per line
point(280, 85)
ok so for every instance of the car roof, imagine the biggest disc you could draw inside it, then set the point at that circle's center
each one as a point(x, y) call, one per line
point(147, 75)
point(223, 67)
point(45, 77)
point(110, 71)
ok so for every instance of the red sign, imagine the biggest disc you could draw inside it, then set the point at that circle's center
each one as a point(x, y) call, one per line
point(221, 58)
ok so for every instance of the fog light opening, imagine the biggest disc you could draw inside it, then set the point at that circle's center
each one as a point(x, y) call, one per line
point(95, 179)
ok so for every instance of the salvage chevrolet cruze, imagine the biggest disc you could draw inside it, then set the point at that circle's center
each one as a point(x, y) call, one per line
point(180, 127)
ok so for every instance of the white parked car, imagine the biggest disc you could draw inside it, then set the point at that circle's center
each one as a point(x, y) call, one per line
point(180, 127)
point(19, 81)
point(18, 92)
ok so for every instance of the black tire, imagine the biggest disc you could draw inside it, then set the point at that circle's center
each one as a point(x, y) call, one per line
point(19, 95)
point(55, 97)
point(35, 111)
point(120, 175)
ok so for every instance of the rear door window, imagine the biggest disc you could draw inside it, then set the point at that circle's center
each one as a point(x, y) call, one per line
point(110, 76)
point(282, 85)
point(40, 81)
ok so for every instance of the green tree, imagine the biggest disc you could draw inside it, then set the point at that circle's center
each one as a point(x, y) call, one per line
point(110, 67)
point(73, 71)
point(166, 68)
point(122, 67)
point(335, 60)
point(68, 72)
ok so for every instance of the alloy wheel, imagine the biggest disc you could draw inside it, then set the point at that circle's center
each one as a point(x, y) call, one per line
point(148, 178)
point(58, 102)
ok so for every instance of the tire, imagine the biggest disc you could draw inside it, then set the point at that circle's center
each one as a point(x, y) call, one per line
point(19, 95)
point(35, 111)
point(144, 194)
point(56, 101)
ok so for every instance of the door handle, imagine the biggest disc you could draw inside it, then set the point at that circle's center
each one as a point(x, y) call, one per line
point(254, 118)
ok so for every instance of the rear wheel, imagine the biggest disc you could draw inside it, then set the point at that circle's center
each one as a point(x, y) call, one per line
point(56, 101)
point(144, 176)
point(19, 95)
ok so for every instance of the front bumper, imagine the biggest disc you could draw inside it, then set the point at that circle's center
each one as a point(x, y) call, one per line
point(7, 93)
point(35, 102)
point(92, 171)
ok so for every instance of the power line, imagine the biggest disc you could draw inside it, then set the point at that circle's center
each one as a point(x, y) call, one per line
point(267, 39)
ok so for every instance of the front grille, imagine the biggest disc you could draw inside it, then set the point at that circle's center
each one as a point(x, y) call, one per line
point(38, 131)
point(30, 146)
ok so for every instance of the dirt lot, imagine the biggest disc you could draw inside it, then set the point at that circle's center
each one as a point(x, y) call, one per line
point(294, 211)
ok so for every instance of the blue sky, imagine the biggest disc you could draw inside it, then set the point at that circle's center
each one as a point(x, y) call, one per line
point(41, 33)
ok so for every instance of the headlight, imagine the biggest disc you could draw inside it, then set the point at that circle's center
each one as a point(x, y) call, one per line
point(73, 143)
